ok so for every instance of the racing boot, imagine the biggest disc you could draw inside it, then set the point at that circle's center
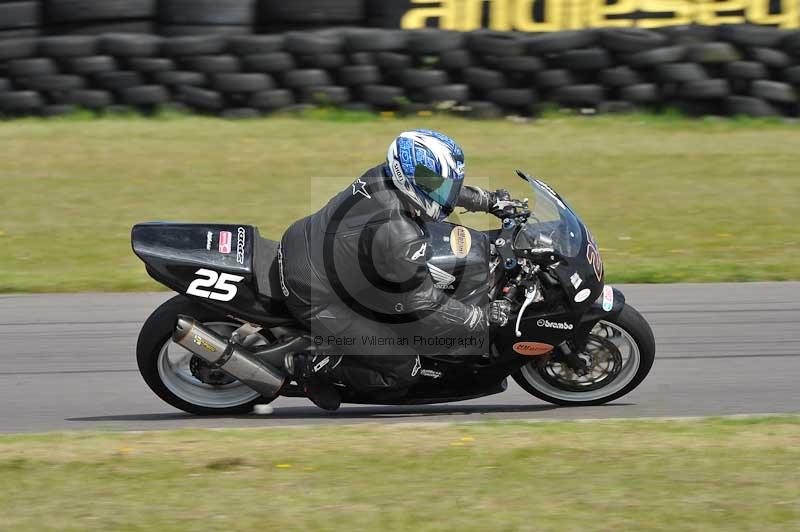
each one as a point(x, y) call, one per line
point(312, 373)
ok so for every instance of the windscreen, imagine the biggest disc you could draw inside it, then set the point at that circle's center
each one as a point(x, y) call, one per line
point(552, 224)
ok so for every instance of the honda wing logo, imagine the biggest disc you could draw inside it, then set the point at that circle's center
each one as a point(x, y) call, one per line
point(441, 279)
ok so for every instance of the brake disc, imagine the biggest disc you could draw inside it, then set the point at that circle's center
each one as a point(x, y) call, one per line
point(603, 363)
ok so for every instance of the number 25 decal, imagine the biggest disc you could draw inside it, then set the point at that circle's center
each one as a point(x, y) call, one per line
point(593, 256)
point(219, 281)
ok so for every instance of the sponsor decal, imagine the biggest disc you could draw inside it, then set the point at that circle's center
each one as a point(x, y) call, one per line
point(532, 348)
point(225, 242)
point(460, 241)
point(202, 342)
point(420, 253)
point(441, 279)
point(209, 237)
point(555, 324)
point(576, 280)
point(321, 364)
point(432, 373)
point(583, 295)
point(399, 307)
point(219, 281)
point(398, 172)
point(417, 367)
point(240, 236)
point(360, 187)
point(608, 298)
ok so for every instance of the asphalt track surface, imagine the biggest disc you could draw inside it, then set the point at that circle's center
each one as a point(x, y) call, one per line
point(68, 362)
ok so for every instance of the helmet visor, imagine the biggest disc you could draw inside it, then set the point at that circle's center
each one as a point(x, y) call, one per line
point(442, 190)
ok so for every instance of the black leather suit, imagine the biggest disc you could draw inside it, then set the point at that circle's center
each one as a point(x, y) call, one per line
point(357, 268)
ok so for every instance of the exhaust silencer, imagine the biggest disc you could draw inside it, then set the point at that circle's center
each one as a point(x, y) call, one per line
point(231, 358)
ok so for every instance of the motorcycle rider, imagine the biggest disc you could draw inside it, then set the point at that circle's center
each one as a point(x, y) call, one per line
point(358, 267)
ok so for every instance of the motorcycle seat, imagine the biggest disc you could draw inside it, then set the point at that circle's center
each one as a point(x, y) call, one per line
point(265, 268)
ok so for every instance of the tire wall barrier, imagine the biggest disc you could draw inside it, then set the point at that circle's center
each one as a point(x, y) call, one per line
point(102, 56)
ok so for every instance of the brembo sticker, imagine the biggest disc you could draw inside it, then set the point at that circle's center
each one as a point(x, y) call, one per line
point(460, 241)
point(555, 324)
point(532, 348)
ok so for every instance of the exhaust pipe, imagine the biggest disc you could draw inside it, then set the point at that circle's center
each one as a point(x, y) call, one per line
point(229, 357)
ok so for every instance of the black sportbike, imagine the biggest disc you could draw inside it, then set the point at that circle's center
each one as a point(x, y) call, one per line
point(226, 342)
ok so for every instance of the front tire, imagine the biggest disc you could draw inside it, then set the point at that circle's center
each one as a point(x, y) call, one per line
point(177, 376)
point(622, 351)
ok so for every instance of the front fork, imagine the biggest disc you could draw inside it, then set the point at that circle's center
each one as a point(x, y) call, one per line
point(565, 353)
point(569, 350)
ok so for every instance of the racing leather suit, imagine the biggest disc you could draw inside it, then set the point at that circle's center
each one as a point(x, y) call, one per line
point(357, 268)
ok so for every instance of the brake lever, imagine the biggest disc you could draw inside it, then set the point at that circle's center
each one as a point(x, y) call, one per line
point(530, 295)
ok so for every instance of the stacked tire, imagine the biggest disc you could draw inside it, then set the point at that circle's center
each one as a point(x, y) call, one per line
point(204, 17)
point(94, 17)
point(19, 18)
point(284, 15)
point(727, 70)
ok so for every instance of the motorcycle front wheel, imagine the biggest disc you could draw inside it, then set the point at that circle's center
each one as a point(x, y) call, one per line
point(184, 380)
point(619, 354)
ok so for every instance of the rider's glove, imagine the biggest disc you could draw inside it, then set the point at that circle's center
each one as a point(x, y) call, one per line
point(499, 312)
point(475, 199)
point(501, 204)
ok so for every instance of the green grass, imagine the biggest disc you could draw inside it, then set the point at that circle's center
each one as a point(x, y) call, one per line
point(703, 475)
point(668, 199)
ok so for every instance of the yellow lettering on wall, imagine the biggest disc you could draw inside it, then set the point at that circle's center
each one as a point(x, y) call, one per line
point(598, 12)
point(505, 15)
point(681, 12)
point(709, 12)
point(554, 16)
point(468, 13)
point(445, 15)
point(758, 13)
point(501, 15)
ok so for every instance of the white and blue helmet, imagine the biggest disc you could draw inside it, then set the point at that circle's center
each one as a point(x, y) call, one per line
point(428, 168)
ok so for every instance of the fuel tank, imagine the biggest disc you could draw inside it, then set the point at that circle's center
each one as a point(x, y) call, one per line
point(459, 261)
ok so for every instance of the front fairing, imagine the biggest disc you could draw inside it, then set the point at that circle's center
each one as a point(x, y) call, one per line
point(554, 225)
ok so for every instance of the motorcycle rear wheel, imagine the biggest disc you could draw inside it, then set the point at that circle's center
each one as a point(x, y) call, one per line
point(176, 376)
point(620, 353)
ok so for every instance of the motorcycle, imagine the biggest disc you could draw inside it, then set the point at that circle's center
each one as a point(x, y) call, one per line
point(227, 341)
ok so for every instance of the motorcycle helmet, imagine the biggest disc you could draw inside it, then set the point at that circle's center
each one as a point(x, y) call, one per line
point(428, 168)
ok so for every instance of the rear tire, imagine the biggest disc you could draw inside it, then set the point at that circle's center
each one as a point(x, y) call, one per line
point(192, 397)
point(629, 328)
